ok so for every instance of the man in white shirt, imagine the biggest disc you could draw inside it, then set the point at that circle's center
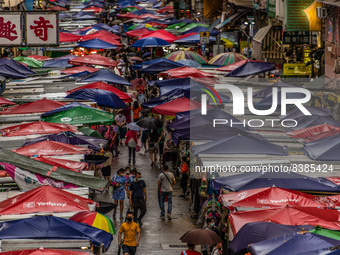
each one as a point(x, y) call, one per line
point(165, 182)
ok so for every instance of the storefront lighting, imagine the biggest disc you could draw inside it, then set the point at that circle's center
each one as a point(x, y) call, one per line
point(246, 23)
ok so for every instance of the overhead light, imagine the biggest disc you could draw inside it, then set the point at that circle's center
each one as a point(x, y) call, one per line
point(246, 23)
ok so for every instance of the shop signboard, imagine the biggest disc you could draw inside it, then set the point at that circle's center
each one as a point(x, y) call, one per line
point(293, 69)
point(301, 37)
point(42, 29)
point(10, 29)
point(271, 8)
point(204, 36)
point(301, 15)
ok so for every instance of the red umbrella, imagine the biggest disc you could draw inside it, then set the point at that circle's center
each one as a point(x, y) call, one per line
point(102, 85)
point(51, 148)
point(315, 132)
point(183, 72)
point(137, 59)
point(98, 35)
point(135, 83)
point(105, 38)
point(79, 69)
point(64, 163)
point(128, 16)
point(149, 15)
point(138, 32)
point(42, 251)
point(156, 24)
point(233, 66)
point(39, 58)
point(67, 37)
point(94, 59)
point(39, 106)
point(186, 35)
point(57, 8)
point(4, 101)
point(35, 128)
point(93, 9)
point(182, 104)
point(162, 34)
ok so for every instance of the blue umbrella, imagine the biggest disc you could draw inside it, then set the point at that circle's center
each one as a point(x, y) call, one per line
point(57, 63)
point(96, 44)
point(102, 97)
point(106, 27)
point(189, 63)
point(16, 65)
point(9, 72)
point(150, 42)
point(104, 75)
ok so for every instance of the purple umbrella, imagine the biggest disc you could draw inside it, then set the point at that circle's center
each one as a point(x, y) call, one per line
point(93, 143)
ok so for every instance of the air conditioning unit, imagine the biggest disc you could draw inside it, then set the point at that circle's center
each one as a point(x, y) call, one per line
point(321, 12)
point(337, 66)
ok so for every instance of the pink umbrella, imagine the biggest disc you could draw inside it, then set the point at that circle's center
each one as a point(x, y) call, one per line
point(135, 83)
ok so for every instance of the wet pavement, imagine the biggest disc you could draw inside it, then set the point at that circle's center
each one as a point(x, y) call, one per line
point(156, 233)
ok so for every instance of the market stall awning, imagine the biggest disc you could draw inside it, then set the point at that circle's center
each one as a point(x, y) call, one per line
point(261, 33)
point(175, 106)
point(39, 106)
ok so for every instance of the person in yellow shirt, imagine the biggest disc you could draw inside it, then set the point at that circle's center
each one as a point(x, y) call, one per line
point(131, 235)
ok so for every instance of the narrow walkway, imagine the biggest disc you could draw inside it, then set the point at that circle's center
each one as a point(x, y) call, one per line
point(155, 232)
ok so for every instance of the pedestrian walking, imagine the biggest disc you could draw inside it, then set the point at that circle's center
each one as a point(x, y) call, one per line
point(112, 137)
point(106, 167)
point(136, 111)
point(119, 183)
point(153, 146)
point(165, 182)
point(131, 232)
point(132, 142)
point(138, 198)
point(190, 250)
point(217, 250)
point(121, 121)
point(141, 92)
point(207, 249)
point(145, 138)
point(185, 177)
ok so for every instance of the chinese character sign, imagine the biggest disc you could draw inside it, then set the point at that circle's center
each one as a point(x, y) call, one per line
point(41, 29)
point(10, 29)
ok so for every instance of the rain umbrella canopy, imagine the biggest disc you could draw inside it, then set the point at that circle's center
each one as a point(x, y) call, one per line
point(201, 236)
point(176, 26)
point(326, 149)
point(105, 75)
point(172, 95)
point(184, 72)
point(160, 66)
point(175, 106)
point(137, 32)
point(35, 128)
point(149, 123)
point(39, 106)
point(129, 9)
point(315, 132)
point(79, 69)
point(100, 34)
point(94, 59)
point(93, 9)
point(189, 63)
point(42, 251)
point(70, 56)
point(90, 132)
point(71, 138)
point(66, 107)
point(270, 197)
point(30, 62)
point(266, 92)
point(104, 86)
point(233, 66)
point(106, 27)
point(254, 232)
point(314, 120)
point(193, 39)
point(54, 228)
point(16, 66)
point(186, 35)
point(251, 68)
point(51, 148)
point(190, 55)
point(227, 58)
point(292, 243)
point(200, 29)
point(296, 113)
point(326, 232)
point(327, 218)
point(64, 163)
point(4, 101)
point(9, 72)
point(48, 200)
point(86, 17)
point(150, 42)
point(103, 98)
point(39, 58)
point(96, 44)
point(192, 25)
point(156, 61)
point(81, 115)
point(96, 220)
point(162, 34)
point(291, 181)
point(57, 63)
point(240, 144)
point(67, 37)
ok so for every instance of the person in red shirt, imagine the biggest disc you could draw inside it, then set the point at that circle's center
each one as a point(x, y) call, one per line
point(132, 142)
point(185, 177)
point(190, 250)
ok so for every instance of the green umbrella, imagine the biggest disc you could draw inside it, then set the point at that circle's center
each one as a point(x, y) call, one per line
point(326, 232)
point(192, 25)
point(129, 9)
point(81, 116)
point(176, 26)
point(30, 62)
point(90, 132)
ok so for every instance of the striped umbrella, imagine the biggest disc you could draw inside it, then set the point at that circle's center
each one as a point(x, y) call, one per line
point(182, 54)
point(96, 220)
point(227, 58)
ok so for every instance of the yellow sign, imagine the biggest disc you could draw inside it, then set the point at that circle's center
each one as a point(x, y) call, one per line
point(204, 34)
point(297, 69)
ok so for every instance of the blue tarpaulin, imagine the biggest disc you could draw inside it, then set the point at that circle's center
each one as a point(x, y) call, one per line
point(96, 44)
point(254, 232)
point(278, 179)
point(16, 66)
point(57, 63)
point(66, 107)
point(54, 228)
point(102, 97)
point(292, 243)
point(251, 68)
point(105, 75)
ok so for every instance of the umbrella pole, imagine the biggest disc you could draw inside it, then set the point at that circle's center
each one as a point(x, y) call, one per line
point(151, 52)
